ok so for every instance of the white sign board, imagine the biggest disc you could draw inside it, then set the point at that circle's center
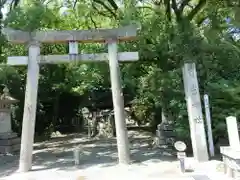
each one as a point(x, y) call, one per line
point(180, 146)
point(197, 130)
point(73, 47)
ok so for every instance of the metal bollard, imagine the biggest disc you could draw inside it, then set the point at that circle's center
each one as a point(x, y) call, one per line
point(181, 147)
point(181, 157)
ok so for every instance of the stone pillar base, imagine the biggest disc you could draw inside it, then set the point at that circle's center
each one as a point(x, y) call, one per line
point(9, 143)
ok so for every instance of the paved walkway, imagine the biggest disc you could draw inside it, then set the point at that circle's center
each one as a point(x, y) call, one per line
point(143, 171)
point(53, 160)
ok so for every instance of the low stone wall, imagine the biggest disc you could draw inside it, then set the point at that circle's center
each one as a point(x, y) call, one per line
point(231, 160)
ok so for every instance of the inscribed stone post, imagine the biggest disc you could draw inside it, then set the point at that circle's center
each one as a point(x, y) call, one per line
point(209, 125)
point(195, 116)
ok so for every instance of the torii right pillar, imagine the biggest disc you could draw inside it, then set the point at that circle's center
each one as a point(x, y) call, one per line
point(118, 103)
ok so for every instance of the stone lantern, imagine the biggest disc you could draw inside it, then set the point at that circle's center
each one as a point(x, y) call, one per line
point(9, 141)
point(165, 134)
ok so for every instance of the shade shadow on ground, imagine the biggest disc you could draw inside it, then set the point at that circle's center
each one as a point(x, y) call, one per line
point(58, 153)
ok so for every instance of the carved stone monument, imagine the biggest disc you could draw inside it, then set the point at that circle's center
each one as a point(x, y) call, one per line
point(9, 141)
point(194, 107)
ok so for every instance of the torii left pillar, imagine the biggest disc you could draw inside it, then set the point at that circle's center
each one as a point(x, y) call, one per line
point(29, 115)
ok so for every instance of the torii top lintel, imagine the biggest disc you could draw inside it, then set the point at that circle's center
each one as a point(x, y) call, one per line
point(60, 36)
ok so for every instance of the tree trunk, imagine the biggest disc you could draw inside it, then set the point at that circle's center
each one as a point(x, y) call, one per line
point(55, 112)
point(111, 122)
point(164, 118)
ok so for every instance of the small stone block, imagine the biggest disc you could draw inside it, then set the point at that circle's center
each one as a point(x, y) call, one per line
point(236, 174)
point(8, 135)
point(229, 152)
point(231, 160)
point(9, 149)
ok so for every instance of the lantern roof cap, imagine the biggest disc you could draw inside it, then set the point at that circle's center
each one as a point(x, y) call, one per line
point(6, 98)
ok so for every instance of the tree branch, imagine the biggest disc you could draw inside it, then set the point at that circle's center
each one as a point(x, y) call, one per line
point(231, 3)
point(14, 4)
point(146, 7)
point(201, 20)
point(197, 8)
point(167, 5)
point(106, 7)
point(3, 2)
point(176, 10)
point(94, 23)
point(183, 4)
point(74, 4)
point(113, 4)
point(99, 12)
point(191, 6)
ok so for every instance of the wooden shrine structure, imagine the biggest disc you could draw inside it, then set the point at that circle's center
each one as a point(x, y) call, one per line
point(73, 37)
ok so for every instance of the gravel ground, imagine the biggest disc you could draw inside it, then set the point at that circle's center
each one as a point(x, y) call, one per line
point(54, 160)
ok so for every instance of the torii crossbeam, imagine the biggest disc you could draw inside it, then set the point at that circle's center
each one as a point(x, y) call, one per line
point(34, 59)
point(57, 59)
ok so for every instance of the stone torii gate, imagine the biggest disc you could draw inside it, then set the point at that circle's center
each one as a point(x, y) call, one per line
point(34, 59)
